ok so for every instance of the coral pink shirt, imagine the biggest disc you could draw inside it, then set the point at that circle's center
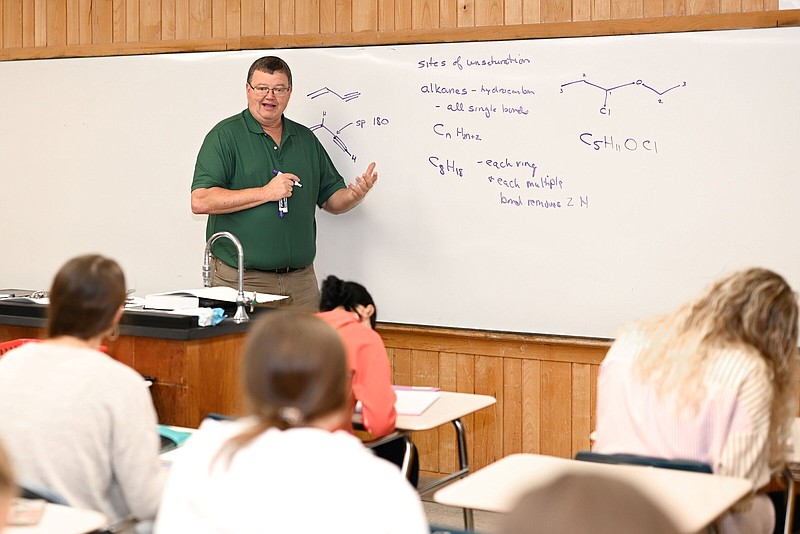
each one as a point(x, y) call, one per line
point(372, 373)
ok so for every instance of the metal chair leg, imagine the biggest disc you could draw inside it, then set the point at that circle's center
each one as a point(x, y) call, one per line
point(790, 498)
point(408, 456)
point(469, 520)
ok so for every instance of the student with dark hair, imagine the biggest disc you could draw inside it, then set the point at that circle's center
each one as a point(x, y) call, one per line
point(75, 421)
point(288, 466)
point(713, 381)
point(349, 308)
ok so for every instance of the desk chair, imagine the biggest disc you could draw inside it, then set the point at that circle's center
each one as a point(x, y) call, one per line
point(27, 491)
point(437, 529)
point(409, 450)
point(791, 494)
point(651, 461)
point(6, 346)
point(635, 459)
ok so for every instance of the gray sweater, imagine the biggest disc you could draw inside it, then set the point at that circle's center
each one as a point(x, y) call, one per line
point(79, 423)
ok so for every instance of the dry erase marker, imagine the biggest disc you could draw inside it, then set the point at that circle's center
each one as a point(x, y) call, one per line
point(276, 172)
point(283, 205)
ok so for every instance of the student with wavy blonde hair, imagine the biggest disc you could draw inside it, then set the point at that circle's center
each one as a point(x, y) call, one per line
point(288, 466)
point(713, 381)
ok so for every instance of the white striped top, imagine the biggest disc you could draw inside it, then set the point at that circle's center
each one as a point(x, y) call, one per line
point(727, 427)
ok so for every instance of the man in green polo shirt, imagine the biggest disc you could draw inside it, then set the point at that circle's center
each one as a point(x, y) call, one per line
point(260, 176)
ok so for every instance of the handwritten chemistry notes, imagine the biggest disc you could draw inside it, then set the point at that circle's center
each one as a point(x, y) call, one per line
point(588, 182)
point(490, 102)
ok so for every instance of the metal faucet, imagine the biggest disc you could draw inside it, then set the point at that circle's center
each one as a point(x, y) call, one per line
point(241, 314)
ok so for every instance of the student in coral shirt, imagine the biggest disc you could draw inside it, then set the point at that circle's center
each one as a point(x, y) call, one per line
point(349, 308)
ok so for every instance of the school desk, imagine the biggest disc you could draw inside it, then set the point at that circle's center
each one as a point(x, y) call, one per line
point(693, 500)
point(450, 407)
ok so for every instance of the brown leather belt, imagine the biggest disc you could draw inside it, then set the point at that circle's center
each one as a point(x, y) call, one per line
point(283, 270)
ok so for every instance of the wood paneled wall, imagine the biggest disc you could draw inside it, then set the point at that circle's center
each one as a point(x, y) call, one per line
point(62, 28)
point(545, 389)
point(46, 23)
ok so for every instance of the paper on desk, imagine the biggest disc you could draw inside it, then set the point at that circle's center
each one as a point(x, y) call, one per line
point(414, 402)
point(134, 302)
point(44, 301)
point(226, 294)
point(410, 402)
point(169, 457)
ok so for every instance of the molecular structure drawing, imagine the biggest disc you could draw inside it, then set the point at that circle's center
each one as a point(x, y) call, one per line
point(335, 135)
point(605, 110)
point(347, 97)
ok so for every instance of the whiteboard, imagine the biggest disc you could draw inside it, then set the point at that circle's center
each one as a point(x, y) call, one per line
point(559, 186)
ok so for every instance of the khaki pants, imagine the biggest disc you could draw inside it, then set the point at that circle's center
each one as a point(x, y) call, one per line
point(301, 286)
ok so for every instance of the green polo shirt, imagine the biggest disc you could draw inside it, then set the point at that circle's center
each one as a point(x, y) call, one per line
point(237, 154)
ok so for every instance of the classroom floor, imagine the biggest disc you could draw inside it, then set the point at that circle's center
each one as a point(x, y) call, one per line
point(447, 516)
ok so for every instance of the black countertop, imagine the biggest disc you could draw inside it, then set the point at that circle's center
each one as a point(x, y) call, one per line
point(134, 322)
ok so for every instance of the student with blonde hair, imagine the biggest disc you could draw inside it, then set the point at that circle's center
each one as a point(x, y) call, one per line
point(714, 381)
point(288, 467)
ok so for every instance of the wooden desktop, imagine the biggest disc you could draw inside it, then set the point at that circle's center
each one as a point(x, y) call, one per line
point(692, 500)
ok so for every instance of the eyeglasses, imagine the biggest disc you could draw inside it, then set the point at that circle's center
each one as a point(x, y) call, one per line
point(263, 91)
